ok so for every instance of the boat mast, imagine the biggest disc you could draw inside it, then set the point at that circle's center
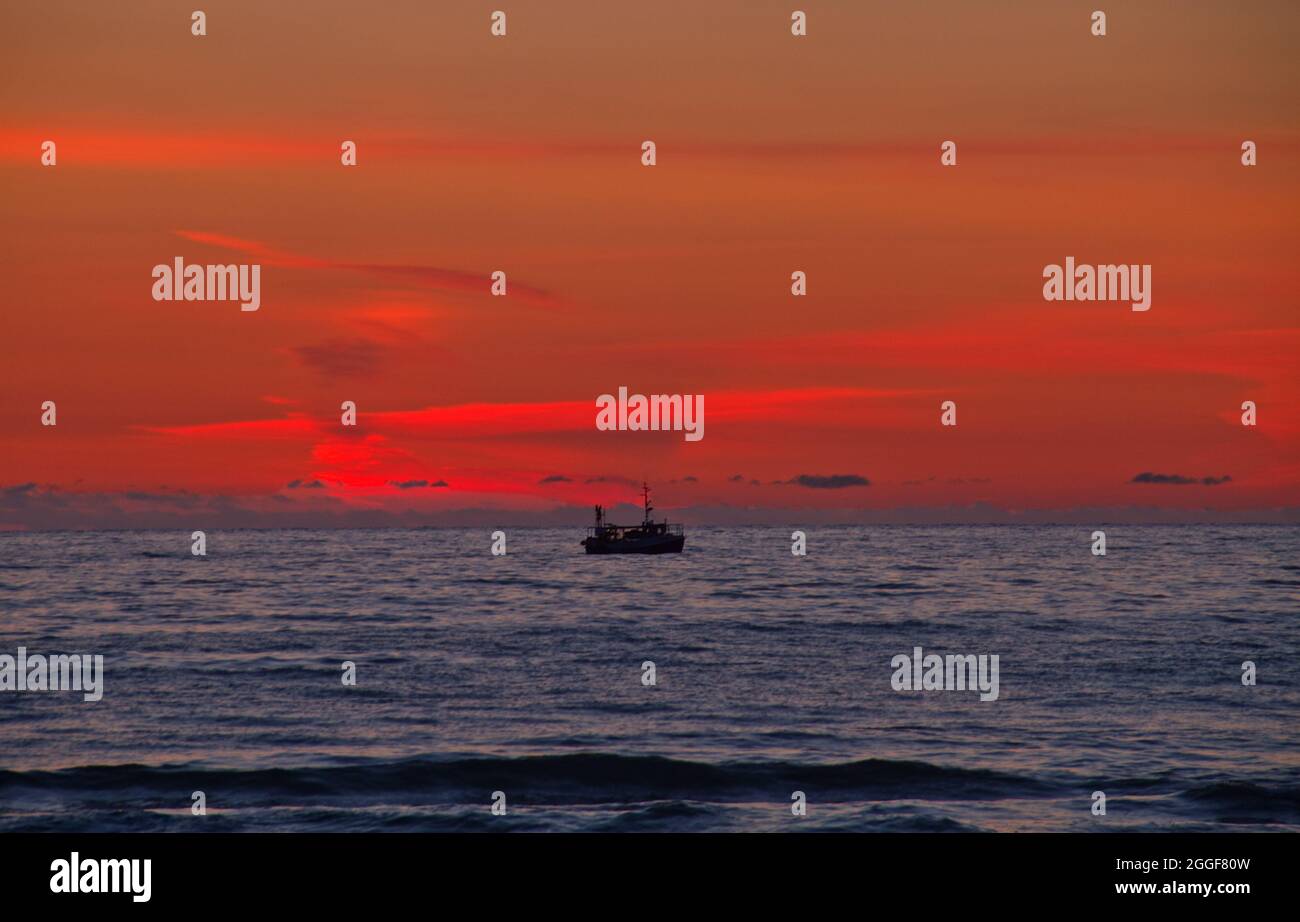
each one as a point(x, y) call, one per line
point(645, 492)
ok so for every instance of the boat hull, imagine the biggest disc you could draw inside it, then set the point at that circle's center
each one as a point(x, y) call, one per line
point(659, 544)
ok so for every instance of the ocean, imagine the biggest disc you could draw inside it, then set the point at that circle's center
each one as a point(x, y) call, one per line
point(525, 674)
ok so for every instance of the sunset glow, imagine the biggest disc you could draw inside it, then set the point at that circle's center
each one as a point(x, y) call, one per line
point(924, 283)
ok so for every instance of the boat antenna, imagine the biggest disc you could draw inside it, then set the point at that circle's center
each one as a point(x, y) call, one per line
point(645, 491)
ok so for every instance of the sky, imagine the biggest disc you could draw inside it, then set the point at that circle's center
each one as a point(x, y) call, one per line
point(522, 153)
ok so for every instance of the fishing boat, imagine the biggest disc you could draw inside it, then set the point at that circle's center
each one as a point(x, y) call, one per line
point(650, 537)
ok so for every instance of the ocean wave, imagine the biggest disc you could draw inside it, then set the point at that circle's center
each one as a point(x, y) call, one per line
point(556, 779)
point(1246, 802)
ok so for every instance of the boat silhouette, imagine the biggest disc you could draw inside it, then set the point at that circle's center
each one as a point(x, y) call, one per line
point(650, 537)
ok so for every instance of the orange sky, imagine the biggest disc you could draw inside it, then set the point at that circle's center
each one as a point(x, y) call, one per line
point(522, 153)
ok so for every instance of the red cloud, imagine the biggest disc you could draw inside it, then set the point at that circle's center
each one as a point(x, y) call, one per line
point(427, 276)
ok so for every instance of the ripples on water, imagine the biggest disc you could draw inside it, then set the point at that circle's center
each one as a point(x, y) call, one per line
point(523, 674)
